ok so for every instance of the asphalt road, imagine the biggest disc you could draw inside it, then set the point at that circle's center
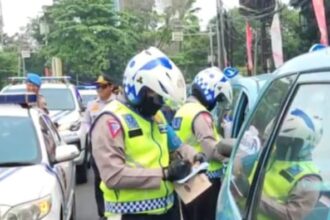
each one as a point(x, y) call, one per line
point(86, 205)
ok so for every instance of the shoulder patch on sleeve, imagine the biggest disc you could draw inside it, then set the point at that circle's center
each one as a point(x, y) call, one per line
point(114, 127)
point(176, 123)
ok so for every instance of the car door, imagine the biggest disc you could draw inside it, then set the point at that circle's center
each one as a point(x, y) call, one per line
point(65, 170)
point(239, 181)
point(294, 180)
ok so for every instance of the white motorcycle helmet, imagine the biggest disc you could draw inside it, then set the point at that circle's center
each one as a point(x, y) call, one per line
point(211, 84)
point(299, 135)
point(154, 70)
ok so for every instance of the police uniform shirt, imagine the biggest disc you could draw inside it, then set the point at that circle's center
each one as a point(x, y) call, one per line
point(93, 109)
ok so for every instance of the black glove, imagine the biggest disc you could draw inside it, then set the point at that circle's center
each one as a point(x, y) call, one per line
point(200, 157)
point(178, 169)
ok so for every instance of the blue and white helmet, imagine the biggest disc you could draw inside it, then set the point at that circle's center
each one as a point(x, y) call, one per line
point(211, 83)
point(317, 47)
point(154, 70)
point(302, 126)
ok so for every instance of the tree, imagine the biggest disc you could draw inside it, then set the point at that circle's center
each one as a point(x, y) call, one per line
point(89, 36)
point(9, 65)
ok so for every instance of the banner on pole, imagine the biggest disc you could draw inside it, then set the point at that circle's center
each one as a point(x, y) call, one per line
point(276, 38)
point(249, 39)
point(319, 11)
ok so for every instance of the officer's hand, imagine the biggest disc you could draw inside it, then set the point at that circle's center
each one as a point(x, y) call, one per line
point(200, 157)
point(178, 169)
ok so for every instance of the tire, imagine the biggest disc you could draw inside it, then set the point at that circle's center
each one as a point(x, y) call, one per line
point(81, 176)
point(73, 209)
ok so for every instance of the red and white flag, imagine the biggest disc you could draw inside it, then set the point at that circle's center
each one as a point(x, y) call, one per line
point(276, 38)
point(319, 11)
point(249, 39)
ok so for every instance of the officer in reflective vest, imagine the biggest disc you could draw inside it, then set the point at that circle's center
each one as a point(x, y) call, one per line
point(132, 142)
point(105, 87)
point(194, 125)
point(292, 181)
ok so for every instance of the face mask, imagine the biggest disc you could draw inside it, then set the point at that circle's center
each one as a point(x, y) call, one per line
point(150, 105)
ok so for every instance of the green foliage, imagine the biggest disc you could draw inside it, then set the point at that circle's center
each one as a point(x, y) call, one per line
point(9, 65)
point(89, 36)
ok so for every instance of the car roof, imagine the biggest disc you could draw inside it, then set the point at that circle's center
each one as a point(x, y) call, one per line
point(305, 62)
point(13, 110)
point(87, 92)
point(43, 86)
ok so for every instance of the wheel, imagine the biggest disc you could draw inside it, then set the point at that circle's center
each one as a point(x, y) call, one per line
point(73, 209)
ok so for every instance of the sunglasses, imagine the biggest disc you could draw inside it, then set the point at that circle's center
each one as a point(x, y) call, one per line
point(102, 86)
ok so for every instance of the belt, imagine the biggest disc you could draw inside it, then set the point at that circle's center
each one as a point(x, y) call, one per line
point(138, 206)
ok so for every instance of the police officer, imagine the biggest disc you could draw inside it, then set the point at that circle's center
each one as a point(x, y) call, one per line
point(33, 84)
point(132, 142)
point(291, 185)
point(105, 95)
point(193, 123)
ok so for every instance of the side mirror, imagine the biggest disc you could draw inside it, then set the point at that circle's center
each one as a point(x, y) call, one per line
point(66, 153)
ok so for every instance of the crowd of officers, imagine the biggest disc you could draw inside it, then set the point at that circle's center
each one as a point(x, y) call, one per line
point(149, 135)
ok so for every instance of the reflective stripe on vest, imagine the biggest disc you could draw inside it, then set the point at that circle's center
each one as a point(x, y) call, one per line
point(145, 146)
point(183, 125)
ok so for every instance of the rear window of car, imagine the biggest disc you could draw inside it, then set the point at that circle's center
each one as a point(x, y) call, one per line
point(18, 141)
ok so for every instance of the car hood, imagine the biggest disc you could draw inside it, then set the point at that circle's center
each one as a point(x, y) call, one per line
point(22, 184)
point(64, 117)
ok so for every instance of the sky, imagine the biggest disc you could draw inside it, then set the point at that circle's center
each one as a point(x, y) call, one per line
point(16, 13)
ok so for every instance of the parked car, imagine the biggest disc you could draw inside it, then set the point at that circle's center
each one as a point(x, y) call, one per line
point(37, 172)
point(279, 167)
point(87, 93)
point(65, 110)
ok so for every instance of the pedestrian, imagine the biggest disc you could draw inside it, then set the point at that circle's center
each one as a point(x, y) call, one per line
point(104, 86)
point(132, 144)
point(33, 84)
point(195, 126)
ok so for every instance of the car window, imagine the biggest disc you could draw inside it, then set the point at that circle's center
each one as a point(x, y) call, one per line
point(18, 140)
point(297, 179)
point(252, 141)
point(87, 98)
point(48, 139)
point(225, 111)
point(59, 99)
point(241, 111)
point(53, 130)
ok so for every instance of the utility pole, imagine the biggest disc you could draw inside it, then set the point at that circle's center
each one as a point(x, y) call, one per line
point(211, 45)
point(1, 26)
point(220, 34)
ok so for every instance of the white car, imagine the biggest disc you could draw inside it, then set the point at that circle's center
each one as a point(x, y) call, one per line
point(65, 109)
point(37, 172)
point(87, 93)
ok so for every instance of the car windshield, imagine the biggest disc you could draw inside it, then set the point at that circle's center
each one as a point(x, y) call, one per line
point(18, 141)
point(59, 99)
point(87, 98)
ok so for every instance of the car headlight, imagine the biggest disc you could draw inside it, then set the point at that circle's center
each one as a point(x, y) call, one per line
point(34, 210)
point(75, 126)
